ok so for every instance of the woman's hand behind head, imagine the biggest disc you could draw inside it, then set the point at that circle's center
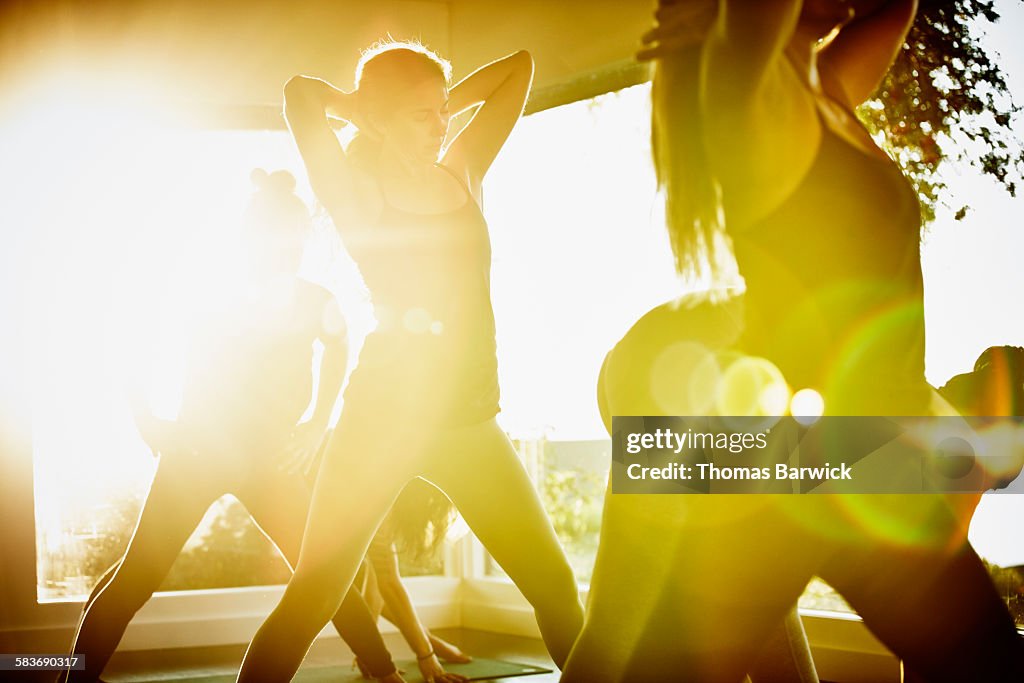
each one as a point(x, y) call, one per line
point(679, 25)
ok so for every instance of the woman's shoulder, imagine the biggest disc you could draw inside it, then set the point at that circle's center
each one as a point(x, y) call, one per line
point(362, 208)
point(762, 141)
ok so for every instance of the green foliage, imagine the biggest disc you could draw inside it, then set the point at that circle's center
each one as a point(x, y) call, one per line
point(1009, 581)
point(108, 546)
point(87, 551)
point(944, 89)
point(227, 551)
point(231, 551)
point(573, 500)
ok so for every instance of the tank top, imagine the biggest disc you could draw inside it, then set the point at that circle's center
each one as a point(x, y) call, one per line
point(834, 290)
point(429, 281)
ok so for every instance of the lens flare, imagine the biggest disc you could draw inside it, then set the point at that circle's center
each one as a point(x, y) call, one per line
point(683, 379)
point(751, 386)
point(866, 371)
point(417, 320)
point(909, 521)
point(806, 406)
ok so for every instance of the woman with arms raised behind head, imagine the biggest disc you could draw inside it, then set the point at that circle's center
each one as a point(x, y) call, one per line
point(776, 192)
point(423, 399)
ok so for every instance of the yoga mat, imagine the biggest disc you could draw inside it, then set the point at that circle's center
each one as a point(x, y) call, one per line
point(478, 670)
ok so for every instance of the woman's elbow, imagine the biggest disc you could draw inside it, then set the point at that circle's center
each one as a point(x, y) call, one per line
point(522, 56)
point(296, 88)
point(522, 60)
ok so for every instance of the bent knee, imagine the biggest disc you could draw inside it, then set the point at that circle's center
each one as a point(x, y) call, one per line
point(130, 590)
point(313, 594)
point(557, 586)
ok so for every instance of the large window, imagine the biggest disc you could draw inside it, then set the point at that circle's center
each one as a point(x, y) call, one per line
point(141, 234)
point(140, 238)
point(579, 254)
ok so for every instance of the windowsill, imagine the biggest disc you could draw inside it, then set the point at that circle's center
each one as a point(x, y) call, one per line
point(223, 616)
point(843, 647)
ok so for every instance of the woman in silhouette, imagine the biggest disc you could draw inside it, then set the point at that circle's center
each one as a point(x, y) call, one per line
point(778, 194)
point(248, 383)
point(422, 400)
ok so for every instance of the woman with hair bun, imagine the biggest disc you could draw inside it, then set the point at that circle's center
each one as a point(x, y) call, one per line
point(248, 383)
point(422, 400)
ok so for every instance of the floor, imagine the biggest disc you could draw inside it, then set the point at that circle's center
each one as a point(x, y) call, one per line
point(128, 666)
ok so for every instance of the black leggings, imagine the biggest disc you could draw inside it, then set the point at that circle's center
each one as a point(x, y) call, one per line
point(691, 587)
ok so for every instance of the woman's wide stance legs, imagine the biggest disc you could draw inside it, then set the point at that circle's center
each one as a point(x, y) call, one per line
point(689, 587)
point(362, 473)
point(479, 470)
point(934, 608)
point(279, 504)
point(179, 496)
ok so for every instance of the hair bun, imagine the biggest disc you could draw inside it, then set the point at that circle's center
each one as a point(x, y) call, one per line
point(259, 178)
point(279, 182)
point(282, 181)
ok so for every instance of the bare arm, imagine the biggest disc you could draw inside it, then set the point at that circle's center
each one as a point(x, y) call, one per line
point(162, 436)
point(399, 610)
point(307, 438)
point(761, 127)
point(746, 44)
point(397, 607)
point(499, 91)
point(860, 55)
point(332, 370)
point(307, 104)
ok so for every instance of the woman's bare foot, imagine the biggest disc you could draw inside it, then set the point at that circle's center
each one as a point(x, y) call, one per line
point(447, 652)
